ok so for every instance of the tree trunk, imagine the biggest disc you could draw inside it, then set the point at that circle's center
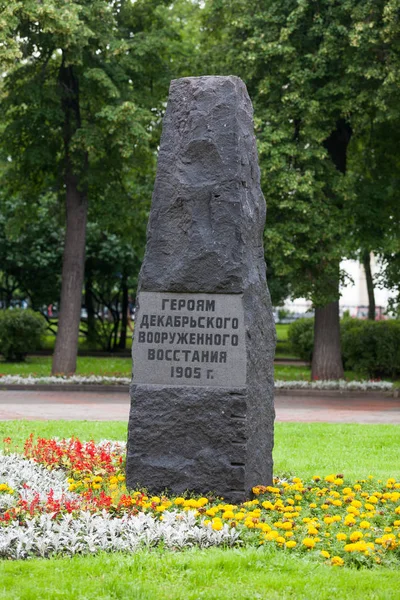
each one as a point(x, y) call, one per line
point(366, 260)
point(91, 319)
point(327, 359)
point(327, 356)
point(66, 349)
point(125, 307)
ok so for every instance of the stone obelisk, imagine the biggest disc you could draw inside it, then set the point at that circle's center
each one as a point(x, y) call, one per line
point(202, 412)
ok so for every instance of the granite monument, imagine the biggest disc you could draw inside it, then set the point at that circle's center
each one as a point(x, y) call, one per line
point(202, 412)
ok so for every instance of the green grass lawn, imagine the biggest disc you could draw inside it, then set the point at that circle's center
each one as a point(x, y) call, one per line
point(213, 574)
point(302, 449)
point(282, 332)
point(219, 574)
point(86, 365)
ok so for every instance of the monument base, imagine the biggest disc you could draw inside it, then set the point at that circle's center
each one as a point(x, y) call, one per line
point(198, 440)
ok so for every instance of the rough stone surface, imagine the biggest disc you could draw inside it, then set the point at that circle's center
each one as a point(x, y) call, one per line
point(205, 237)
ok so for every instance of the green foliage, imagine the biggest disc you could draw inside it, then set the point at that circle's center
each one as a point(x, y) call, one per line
point(314, 70)
point(301, 338)
point(30, 250)
point(371, 347)
point(368, 347)
point(20, 333)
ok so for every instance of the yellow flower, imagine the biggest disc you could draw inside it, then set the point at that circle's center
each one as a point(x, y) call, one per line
point(216, 525)
point(228, 514)
point(312, 531)
point(249, 523)
point(239, 516)
point(291, 544)
point(271, 535)
point(308, 543)
point(353, 510)
point(4, 487)
point(313, 505)
point(355, 536)
point(365, 525)
point(280, 540)
point(325, 554)
point(337, 561)
point(178, 501)
point(341, 537)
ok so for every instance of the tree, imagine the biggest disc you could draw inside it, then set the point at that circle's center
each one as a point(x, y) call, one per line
point(374, 168)
point(81, 96)
point(314, 71)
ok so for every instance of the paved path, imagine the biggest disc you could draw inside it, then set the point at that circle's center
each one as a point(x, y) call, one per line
point(114, 406)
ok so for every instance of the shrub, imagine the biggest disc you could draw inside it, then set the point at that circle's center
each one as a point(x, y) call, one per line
point(20, 333)
point(301, 338)
point(371, 347)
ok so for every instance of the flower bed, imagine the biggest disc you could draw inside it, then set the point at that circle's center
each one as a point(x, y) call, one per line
point(67, 497)
point(340, 384)
point(279, 384)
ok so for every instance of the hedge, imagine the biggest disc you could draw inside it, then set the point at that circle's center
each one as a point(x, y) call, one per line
point(368, 347)
point(20, 333)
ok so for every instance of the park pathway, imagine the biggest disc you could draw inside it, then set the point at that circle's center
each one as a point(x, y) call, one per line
point(114, 406)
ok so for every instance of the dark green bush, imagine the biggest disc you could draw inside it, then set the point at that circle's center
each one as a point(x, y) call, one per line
point(371, 347)
point(20, 332)
point(301, 338)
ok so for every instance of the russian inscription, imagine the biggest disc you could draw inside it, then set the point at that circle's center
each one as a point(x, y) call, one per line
point(190, 339)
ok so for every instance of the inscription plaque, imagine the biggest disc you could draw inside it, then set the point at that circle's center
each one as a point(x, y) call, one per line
point(190, 339)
